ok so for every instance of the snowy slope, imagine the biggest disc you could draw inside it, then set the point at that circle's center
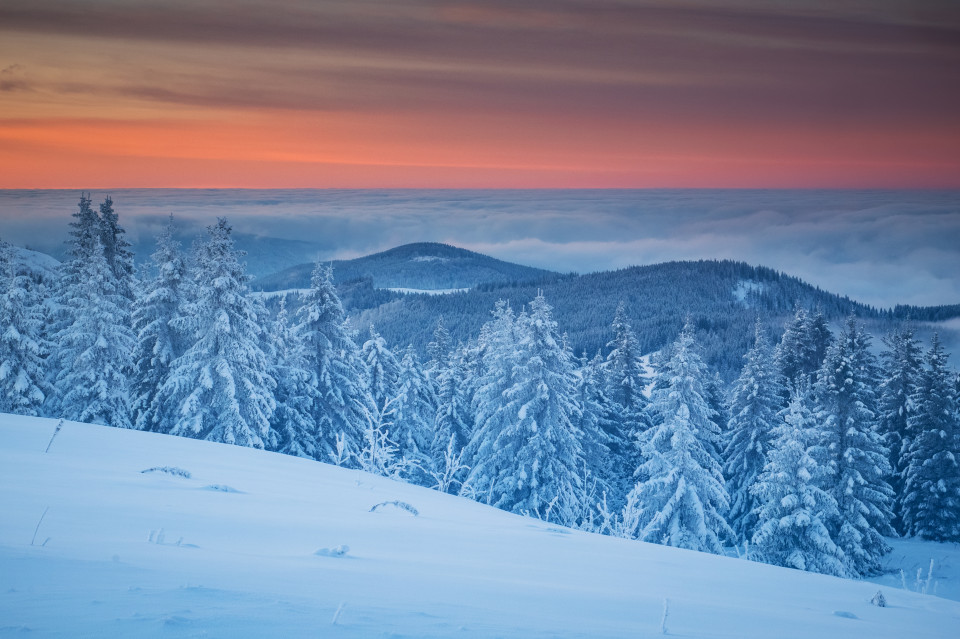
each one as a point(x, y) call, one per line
point(237, 558)
point(40, 265)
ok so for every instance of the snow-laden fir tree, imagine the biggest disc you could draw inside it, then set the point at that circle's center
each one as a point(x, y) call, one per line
point(383, 369)
point(292, 421)
point(680, 499)
point(819, 338)
point(220, 389)
point(84, 237)
point(625, 381)
point(714, 391)
point(537, 456)
point(791, 528)
point(453, 424)
point(931, 498)
point(802, 347)
point(343, 406)
point(598, 417)
point(94, 346)
point(754, 403)
point(23, 383)
point(116, 249)
point(415, 409)
point(438, 350)
point(158, 344)
point(852, 449)
point(901, 366)
point(105, 399)
point(791, 352)
point(498, 347)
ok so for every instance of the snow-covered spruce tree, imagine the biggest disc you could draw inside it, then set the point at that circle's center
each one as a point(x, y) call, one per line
point(625, 381)
point(158, 344)
point(498, 347)
point(792, 510)
point(853, 451)
point(598, 417)
point(537, 457)
point(292, 421)
point(383, 369)
point(714, 391)
point(84, 238)
point(415, 409)
point(931, 501)
point(220, 389)
point(332, 358)
point(819, 339)
point(453, 424)
point(802, 347)
point(790, 354)
point(94, 345)
point(680, 499)
point(754, 403)
point(23, 383)
point(439, 351)
point(84, 231)
point(116, 249)
point(901, 365)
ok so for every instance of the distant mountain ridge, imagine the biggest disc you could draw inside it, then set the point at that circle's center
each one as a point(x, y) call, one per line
point(722, 297)
point(422, 266)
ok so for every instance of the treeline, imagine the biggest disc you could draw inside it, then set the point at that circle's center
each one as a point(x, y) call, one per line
point(814, 454)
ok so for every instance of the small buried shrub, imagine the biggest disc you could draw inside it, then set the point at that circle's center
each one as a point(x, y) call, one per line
point(402, 505)
point(223, 488)
point(170, 470)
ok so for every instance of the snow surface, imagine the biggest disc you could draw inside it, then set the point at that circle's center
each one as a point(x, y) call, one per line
point(35, 262)
point(256, 544)
point(913, 557)
point(744, 288)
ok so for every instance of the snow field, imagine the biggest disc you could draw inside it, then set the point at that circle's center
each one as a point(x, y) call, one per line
point(246, 565)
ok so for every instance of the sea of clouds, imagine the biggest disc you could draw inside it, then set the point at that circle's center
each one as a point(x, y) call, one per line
point(878, 247)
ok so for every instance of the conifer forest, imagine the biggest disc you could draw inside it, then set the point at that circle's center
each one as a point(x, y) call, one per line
point(812, 448)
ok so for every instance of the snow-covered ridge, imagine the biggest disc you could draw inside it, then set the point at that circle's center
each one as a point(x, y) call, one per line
point(36, 263)
point(91, 545)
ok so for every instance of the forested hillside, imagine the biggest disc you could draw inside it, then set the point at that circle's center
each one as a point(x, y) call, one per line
point(815, 453)
point(722, 299)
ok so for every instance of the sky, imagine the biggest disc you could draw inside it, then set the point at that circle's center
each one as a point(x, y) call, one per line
point(480, 94)
point(879, 247)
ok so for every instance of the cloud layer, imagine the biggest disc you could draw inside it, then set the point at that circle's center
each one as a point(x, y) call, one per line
point(879, 247)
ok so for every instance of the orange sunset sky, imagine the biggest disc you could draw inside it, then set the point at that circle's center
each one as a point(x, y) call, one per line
point(482, 93)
